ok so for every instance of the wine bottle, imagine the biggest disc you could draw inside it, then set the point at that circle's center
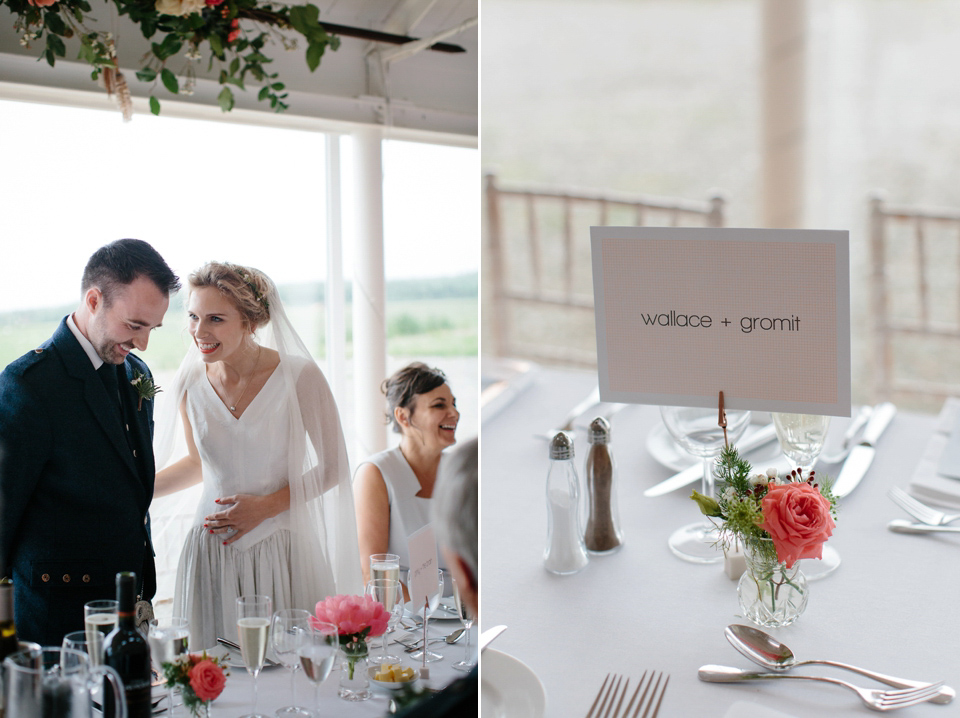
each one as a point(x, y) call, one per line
point(126, 651)
point(8, 631)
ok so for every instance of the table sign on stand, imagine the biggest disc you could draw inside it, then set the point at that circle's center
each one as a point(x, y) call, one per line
point(760, 316)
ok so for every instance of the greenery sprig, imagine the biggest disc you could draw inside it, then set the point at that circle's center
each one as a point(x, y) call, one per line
point(239, 51)
point(738, 509)
point(145, 388)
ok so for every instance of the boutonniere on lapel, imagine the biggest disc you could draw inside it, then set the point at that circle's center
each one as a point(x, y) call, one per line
point(145, 387)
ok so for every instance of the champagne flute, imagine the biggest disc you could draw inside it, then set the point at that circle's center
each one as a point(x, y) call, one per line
point(417, 606)
point(318, 653)
point(169, 640)
point(466, 618)
point(253, 628)
point(288, 635)
point(801, 440)
point(99, 619)
point(387, 592)
point(698, 433)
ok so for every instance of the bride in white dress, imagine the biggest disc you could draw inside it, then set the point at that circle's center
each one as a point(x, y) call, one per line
point(263, 434)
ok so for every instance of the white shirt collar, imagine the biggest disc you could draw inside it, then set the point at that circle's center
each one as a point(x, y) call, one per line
point(85, 343)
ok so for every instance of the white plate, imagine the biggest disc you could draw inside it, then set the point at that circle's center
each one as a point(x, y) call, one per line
point(508, 688)
point(440, 614)
point(667, 452)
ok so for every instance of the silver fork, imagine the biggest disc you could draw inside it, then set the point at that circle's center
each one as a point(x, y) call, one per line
point(921, 512)
point(651, 705)
point(873, 699)
point(610, 697)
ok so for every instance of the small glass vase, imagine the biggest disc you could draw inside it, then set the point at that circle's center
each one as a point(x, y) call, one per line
point(771, 595)
point(354, 678)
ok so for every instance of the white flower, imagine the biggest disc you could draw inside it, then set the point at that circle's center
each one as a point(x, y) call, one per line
point(759, 480)
point(179, 7)
point(771, 473)
point(729, 494)
point(168, 7)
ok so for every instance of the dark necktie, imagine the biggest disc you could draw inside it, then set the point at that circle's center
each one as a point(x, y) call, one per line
point(108, 375)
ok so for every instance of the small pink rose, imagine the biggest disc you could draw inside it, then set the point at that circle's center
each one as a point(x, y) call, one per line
point(207, 680)
point(797, 517)
point(41, 3)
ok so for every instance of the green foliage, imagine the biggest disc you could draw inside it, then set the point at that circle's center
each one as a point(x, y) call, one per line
point(217, 25)
point(738, 508)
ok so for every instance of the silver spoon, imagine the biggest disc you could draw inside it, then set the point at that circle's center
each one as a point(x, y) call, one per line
point(765, 650)
point(451, 639)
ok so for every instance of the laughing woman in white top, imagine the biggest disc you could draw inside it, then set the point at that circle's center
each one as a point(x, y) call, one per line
point(393, 488)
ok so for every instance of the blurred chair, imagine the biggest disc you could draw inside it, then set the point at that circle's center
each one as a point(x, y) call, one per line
point(915, 294)
point(538, 293)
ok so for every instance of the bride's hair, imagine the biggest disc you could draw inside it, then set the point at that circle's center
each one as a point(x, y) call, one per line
point(246, 287)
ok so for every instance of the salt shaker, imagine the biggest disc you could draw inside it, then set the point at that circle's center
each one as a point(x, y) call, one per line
point(603, 523)
point(565, 552)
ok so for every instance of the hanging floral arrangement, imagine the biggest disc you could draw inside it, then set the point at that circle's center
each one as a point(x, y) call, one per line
point(234, 35)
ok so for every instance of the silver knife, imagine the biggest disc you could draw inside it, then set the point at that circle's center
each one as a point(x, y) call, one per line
point(906, 527)
point(861, 457)
point(489, 635)
point(758, 438)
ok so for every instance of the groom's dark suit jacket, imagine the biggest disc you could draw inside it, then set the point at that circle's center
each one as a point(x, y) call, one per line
point(73, 494)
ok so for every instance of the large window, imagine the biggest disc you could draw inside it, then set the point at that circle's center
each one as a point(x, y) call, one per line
point(199, 190)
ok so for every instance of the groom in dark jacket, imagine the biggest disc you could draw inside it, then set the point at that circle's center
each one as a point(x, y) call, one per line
point(76, 455)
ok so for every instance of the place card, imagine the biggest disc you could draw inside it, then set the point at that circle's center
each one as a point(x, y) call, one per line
point(763, 315)
point(422, 547)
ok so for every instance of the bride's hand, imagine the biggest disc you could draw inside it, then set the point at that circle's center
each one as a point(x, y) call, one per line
point(243, 513)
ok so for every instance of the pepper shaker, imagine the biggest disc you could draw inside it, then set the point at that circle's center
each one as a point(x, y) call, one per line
point(565, 552)
point(603, 533)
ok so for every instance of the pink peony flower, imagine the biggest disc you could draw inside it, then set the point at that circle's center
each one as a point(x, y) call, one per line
point(207, 680)
point(797, 517)
point(353, 614)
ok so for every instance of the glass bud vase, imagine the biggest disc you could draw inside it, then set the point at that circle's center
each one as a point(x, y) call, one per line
point(771, 595)
point(354, 677)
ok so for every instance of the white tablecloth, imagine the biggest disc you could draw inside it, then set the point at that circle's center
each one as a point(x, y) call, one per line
point(274, 683)
point(893, 605)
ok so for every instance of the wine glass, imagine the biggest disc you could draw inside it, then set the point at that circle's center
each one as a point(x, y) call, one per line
point(385, 565)
point(99, 619)
point(432, 600)
point(387, 591)
point(318, 653)
point(466, 618)
point(253, 627)
point(289, 634)
point(801, 440)
point(169, 639)
point(697, 431)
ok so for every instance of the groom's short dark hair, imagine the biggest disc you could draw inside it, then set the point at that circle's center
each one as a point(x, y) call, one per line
point(120, 263)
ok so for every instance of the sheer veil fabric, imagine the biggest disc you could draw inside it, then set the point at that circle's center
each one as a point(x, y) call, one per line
point(324, 555)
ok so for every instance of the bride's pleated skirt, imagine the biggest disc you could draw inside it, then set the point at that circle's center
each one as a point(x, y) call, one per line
point(211, 576)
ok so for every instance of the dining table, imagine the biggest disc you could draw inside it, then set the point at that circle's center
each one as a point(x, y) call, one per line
point(274, 690)
point(893, 604)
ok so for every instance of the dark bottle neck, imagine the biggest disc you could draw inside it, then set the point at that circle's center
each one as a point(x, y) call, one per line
point(126, 598)
point(6, 602)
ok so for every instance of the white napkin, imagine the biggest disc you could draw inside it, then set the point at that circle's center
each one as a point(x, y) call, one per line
point(926, 484)
point(743, 709)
